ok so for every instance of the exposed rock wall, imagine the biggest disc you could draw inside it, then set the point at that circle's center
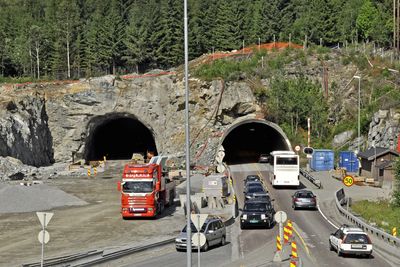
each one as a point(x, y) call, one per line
point(384, 129)
point(24, 132)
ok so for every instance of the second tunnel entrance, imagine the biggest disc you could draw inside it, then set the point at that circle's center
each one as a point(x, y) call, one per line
point(245, 141)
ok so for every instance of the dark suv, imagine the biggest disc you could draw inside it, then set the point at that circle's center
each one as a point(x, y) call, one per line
point(257, 213)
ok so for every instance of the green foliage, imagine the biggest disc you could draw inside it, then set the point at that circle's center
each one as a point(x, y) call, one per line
point(291, 102)
point(367, 19)
point(49, 38)
point(227, 69)
point(387, 213)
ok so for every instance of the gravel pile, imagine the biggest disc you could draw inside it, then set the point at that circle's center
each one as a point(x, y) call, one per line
point(38, 197)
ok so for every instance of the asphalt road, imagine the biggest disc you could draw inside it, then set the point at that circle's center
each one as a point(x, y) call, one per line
point(314, 228)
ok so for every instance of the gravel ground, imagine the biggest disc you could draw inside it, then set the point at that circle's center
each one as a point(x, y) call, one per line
point(80, 228)
point(37, 197)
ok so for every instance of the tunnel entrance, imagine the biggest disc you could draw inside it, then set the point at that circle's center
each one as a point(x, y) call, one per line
point(245, 141)
point(117, 136)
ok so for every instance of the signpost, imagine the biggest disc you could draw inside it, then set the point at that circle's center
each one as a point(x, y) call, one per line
point(280, 217)
point(44, 236)
point(198, 238)
point(348, 180)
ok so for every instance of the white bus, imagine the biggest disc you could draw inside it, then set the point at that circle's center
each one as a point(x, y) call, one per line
point(285, 169)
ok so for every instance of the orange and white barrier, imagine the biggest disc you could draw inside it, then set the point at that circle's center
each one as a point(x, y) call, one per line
point(88, 172)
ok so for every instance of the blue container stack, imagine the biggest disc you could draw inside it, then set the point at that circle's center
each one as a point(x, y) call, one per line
point(348, 160)
point(322, 160)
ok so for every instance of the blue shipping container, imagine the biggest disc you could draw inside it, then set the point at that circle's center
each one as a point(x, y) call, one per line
point(322, 160)
point(348, 160)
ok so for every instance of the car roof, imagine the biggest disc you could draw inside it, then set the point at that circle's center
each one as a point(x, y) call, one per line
point(253, 176)
point(351, 229)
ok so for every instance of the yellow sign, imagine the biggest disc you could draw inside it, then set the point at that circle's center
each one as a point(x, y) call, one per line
point(394, 231)
point(348, 180)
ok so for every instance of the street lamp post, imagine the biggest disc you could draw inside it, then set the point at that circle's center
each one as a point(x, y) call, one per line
point(359, 104)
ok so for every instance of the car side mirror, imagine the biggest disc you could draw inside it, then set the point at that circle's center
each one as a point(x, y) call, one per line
point(272, 199)
point(240, 209)
point(119, 186)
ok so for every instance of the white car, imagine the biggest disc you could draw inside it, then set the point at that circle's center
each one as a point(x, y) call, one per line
point(350, 240)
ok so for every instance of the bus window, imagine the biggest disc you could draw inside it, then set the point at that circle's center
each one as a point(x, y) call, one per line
point(286, 161)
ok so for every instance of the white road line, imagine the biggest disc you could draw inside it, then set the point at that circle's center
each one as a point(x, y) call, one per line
point(323, 215)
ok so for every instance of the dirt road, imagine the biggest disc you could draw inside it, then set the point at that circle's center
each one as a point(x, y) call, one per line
point(82, 228)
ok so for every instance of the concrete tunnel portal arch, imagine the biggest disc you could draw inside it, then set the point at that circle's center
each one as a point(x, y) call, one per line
point(245, 141)
point(117, 136)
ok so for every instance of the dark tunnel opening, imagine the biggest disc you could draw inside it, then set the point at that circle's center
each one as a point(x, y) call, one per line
point(119, 138)
point(246, 142)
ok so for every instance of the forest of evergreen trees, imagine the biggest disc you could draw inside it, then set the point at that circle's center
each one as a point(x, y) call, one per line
point(61, 39)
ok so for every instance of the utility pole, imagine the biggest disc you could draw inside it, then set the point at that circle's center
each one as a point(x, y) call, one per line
point(188, 206)
point(359, 104)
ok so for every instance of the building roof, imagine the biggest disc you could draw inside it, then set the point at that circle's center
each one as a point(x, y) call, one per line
point(371, 153)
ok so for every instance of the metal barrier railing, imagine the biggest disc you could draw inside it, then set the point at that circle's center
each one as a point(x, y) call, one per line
point(309, 177)
point(363, 225)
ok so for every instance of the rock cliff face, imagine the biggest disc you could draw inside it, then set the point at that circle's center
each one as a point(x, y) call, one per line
point(24, 131)
point(384, 129)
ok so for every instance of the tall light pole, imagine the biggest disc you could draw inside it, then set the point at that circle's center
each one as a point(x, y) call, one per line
point(359, 104)
point(188, 206)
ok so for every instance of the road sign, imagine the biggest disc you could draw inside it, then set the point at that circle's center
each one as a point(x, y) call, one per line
point(44, 238)
point(220, 168)
point(198, 220)
point(44, 217)
point(280, 216)
point(198, 239)
point(348, 180)
point(308, 150)
point(297, 148)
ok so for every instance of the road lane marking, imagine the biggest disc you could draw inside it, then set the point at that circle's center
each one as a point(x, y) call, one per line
point(323, 215)
point(302, 240)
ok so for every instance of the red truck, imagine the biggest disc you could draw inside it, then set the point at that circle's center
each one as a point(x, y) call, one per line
point(145, 188)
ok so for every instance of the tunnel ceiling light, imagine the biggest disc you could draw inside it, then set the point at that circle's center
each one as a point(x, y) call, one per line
point(251, 129)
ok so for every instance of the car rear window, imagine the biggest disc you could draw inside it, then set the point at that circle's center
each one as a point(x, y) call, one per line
point(305, 195)
point(356, 239)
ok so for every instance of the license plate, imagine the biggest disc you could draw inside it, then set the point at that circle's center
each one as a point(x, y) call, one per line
point(359, 246)
point(253, 221)
point(306, 201)
point(136, 210)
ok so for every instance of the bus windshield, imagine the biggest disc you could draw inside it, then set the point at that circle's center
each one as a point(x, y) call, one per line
point(286, 161)
point(137, 187)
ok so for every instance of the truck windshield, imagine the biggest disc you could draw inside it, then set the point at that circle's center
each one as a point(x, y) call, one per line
point(137, 187)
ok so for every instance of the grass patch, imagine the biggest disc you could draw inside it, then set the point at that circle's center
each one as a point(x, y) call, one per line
point(380, 212)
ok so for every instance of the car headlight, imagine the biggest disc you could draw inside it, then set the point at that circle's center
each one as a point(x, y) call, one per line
point(178, 240)
point(263, 217)
point(244, 216)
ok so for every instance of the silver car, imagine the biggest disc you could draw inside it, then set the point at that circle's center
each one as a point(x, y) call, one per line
point(213, 229)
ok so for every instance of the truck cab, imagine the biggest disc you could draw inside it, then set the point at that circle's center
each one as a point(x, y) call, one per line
point(145, 189)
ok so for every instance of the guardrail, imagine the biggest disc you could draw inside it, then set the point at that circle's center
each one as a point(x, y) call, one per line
point(363, 225)
point(309, 177)
point(96, 256)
